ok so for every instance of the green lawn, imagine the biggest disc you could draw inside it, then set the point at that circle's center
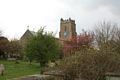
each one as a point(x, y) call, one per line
point(13, 70)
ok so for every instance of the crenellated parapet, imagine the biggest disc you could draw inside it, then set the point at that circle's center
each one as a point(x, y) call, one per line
point(67, 20)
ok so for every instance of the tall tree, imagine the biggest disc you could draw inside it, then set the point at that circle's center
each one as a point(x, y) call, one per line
point(42, 47)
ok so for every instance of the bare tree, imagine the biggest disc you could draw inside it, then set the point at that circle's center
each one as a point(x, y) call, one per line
point(105, 34)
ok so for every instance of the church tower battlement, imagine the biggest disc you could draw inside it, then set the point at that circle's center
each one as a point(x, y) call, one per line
point(67, 20)
point(67, 29)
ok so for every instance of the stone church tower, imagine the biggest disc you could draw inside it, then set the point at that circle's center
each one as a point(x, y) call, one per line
point(67, 29)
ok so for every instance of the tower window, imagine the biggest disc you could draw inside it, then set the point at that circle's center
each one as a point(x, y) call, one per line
point(65, 28)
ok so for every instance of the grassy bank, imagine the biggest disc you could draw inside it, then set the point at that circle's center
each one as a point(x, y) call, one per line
point(13, 70)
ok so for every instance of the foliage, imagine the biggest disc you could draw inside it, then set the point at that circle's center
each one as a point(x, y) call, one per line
point(3, 43)
point(42, 47)
point(85, 39)
point(14, 48)
point(3, 46)
point(11, 48)
point(89, 65)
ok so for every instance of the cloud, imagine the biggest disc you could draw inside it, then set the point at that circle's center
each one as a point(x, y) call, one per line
point(113, 5)
point(87, 13)
point(17, 15)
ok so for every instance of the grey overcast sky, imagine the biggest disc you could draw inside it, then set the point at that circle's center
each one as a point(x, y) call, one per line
point(16, 15)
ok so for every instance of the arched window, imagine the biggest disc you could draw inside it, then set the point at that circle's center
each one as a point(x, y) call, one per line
point(65, 28)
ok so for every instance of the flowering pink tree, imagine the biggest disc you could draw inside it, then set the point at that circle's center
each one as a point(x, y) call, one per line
point(78, 42)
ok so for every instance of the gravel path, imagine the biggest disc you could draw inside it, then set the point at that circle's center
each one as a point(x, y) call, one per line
point(34, 77)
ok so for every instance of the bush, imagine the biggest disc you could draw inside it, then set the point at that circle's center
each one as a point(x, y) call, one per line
point(89, 65)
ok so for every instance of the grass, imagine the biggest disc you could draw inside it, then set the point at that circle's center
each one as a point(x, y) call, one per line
point(13, 70)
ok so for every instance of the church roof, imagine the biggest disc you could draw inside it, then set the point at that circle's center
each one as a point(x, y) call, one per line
point(28, 34)
point(33, 32)
point(3, 38)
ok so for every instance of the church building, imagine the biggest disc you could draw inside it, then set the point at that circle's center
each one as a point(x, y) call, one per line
point(67, 31)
